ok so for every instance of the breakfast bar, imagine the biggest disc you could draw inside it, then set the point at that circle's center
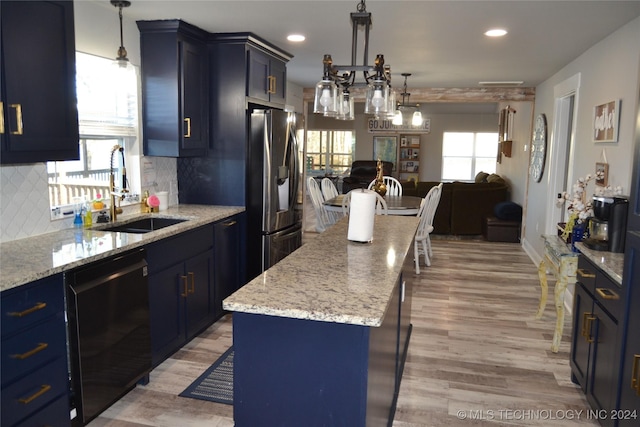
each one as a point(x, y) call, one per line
point(320, 338)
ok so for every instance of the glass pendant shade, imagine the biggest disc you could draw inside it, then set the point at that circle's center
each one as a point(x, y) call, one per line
point(416, 120)
point(391, 104)
point(397, 118)
point(345, 107)
point(325, 101)
point(377, 98)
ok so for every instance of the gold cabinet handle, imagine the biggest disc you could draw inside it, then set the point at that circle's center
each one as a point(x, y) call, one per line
point(607, 294)
point(585, 330)
point(1, 117)
point(589, 337)
point(230, 223)
point(41, 346)
point(192, 276)
point(43, 389)
point(18, 108)
point(187, 120)
point(586, 273)
point(635, 374)
point(186, 286)
point(38, 306)
point(272, 84)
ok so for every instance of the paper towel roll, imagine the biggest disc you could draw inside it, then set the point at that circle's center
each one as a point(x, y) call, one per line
point(362, 212)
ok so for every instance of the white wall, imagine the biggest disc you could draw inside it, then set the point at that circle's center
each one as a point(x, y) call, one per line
point(608, 71)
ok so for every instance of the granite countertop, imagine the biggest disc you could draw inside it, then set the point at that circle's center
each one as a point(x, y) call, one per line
point(332, 279)
point(610, 262)
point(25, 260)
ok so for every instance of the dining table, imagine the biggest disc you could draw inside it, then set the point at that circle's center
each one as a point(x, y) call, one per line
point(396, 205)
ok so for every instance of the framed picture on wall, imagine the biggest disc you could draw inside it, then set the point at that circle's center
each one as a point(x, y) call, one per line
point(605, 121)
point(385, 148)
point(602, 174)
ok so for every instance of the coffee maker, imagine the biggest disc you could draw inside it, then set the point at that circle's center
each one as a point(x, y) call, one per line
point(608, 226)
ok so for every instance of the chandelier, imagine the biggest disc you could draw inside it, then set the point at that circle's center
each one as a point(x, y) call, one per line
point(416, 118)
point(332, 96)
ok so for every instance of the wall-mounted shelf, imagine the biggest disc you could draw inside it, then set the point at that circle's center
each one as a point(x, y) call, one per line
point(409, 158)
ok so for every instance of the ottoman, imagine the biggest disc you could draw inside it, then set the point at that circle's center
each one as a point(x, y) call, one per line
point(501, 230)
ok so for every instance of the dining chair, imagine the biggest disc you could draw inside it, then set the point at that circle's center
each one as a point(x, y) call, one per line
point(323, 219)
point(329, 191)
point(422, 241)
point(394, 188)
point(381, 203)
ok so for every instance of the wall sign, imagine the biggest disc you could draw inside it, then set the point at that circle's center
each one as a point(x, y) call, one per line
point(605, 122)
point(384, 125)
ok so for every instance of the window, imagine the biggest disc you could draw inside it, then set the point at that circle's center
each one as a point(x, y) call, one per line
point(464, 154)
point(108, 116)
point(329, 152)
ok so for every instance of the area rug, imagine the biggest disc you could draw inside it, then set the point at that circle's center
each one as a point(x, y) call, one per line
point(216, 383)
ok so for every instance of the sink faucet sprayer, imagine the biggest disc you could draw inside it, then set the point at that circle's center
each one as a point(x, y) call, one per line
point(113, 210)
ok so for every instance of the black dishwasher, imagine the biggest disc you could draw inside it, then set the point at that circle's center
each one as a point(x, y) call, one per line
point(109, 336)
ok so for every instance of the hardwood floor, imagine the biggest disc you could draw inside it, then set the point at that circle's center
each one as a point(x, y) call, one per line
point(477, 356)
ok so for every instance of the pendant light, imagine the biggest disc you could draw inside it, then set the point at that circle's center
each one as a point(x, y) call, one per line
point(416, 118)
point(121, 60)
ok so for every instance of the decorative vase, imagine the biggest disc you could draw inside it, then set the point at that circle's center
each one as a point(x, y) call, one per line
point(577, 233)
point(379, 186)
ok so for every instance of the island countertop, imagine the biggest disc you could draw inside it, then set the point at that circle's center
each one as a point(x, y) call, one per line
point(332, 279)
point(26, 260)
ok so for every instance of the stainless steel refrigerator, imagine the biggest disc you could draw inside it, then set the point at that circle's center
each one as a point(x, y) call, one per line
point(274, 204)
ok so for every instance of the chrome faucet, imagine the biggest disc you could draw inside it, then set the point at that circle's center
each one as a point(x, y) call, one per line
point(114, 210)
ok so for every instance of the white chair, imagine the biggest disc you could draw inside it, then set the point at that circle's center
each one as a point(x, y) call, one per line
point(394, 188)
point(329, 190)
point(381, 203)
point(323, 219)
point(422, 241)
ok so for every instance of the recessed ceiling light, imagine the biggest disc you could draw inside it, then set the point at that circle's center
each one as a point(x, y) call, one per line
point(496, 32)
point(295, 38)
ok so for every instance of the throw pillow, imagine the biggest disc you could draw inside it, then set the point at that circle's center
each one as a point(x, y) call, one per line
point(508, 211)
point(496, 178)
point(481, 177)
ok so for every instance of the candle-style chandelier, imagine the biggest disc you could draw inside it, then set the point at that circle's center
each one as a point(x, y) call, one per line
point(332, 97)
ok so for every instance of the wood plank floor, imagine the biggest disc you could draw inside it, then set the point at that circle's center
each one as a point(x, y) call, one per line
point(477, 356)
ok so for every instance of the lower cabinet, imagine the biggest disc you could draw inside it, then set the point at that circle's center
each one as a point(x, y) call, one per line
point(629, 409)
point(181, 297)
point(35, 386)
point(594, 344)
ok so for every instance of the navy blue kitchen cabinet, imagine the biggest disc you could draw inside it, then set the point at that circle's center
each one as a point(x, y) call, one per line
point(229, 238)
point(38, 108)
point(220, 177)
point(175, 101)
point(629, 409)
point(267, 77)
point(181, 293)
point(595, 342)
point(34, 366)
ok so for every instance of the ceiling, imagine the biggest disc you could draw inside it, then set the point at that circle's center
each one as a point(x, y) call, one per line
point(440, 42)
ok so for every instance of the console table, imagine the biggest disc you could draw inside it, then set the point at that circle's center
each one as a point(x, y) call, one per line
point(560, 261)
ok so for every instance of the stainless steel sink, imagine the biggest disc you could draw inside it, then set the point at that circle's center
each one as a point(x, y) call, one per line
point(144, 225)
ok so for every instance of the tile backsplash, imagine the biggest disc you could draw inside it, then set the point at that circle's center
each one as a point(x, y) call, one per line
point(24, 197)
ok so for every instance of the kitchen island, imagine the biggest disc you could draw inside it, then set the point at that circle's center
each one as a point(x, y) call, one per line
point(320, 338)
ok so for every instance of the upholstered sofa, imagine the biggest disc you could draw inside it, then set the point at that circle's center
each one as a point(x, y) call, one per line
point(463, 206)
point(362, 173)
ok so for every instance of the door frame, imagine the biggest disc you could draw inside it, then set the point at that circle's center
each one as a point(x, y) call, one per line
point(562, 147)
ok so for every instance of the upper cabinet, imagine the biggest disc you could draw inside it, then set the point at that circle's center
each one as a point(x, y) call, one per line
point(267, 77)
point(175, 102)
point(38, 108)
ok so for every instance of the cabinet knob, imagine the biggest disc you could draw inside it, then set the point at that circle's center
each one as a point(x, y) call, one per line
point(1, 117)
point(585, 273)
point(186, 286)
point(272, 84)
point(41, 346)
point(635, 374)
point(192, 276)
point(43, 389)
